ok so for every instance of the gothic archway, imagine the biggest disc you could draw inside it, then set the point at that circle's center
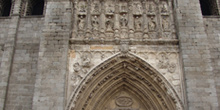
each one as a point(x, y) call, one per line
point(124, 82)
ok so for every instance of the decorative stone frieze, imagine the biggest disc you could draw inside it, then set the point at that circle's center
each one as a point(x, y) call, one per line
point(123, 19)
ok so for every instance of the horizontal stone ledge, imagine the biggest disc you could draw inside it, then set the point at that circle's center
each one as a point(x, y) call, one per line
point(130, 41)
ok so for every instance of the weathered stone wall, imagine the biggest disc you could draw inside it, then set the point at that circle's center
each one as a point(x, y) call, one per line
point(30, 30)
point(212, 26)
point(3, 33)
point(194, 46)
point(49, 90)
point(22, 79)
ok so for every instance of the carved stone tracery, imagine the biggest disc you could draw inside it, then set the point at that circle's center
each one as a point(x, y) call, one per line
point(124, 73)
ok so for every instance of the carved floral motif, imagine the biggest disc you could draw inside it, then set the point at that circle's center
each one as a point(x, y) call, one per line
point(80, 69)
point(164, 63)
point(124, 101)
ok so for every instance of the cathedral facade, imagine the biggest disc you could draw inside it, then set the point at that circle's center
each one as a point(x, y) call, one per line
point(109, 55)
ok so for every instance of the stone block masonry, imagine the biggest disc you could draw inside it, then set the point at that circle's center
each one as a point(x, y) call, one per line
point(22, 78)
point(49, 91)
point(194, 45)
point(212, 26)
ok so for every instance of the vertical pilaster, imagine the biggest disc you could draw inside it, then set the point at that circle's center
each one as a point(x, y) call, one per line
point(9, 48)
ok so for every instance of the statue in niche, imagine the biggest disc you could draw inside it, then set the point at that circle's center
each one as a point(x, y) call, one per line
point(95, 23)
point(164, 8)
point(96, 8)
point(165, 23)
point(82, 7)
point(151, 8)
point(109, 24)
point(137, 23)
point(110, 8)
point(124, 7)
point(138, 8)
point(81, 22)
point(123, 21)
point(152, 25)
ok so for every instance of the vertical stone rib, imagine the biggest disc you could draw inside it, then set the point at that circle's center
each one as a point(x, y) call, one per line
point(7, 58)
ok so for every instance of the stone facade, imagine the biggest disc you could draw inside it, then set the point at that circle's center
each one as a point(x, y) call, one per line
point(110, 55)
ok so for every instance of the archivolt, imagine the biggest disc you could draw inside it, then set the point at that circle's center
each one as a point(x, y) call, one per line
point(124, 72)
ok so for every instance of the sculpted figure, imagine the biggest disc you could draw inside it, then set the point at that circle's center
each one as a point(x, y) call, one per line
point(76, 67)
point(151, 8)
point(123, 21)
point(82, 7)
point(164, 8)
point(81, 23)
point(124, 7)
point(138, 8)
point(110, 9)
point(96, 8)
point(172, 67)
point(152, 25)
point(86, 61)
point(95, 23)
point(109, 24)
point(76, 80)
point(137, 23)
point(163, 61)
point(165, 24)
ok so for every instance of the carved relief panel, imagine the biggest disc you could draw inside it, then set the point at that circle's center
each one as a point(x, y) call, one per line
point(123, 19)
point(83, 58)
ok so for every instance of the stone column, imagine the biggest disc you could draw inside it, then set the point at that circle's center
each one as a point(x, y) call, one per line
point(102, 17)
point(75, 18)
point(200, 83)
point(9, 49)
point(49, 91)
point(131, 19)
point(88, 20)
point(117, 21)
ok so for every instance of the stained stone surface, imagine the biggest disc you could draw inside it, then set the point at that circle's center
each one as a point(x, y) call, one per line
point(110, 55)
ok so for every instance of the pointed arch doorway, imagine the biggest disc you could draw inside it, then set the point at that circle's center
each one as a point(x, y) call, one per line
point(124, 82)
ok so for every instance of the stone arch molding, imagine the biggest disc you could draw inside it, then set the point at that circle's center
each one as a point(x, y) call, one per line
point(124, 82)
